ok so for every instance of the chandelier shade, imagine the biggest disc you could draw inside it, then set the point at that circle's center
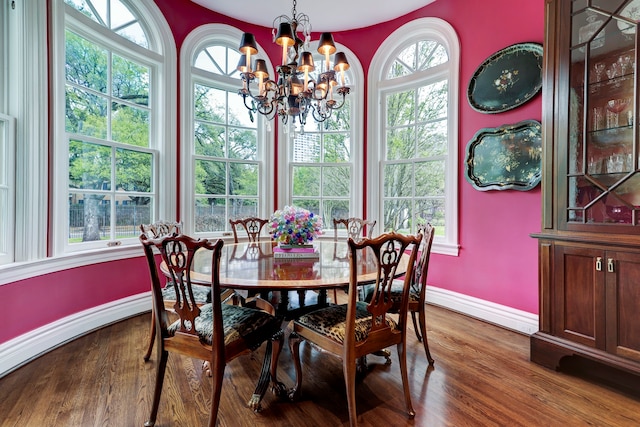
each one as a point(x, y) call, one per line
point(293, 92)
point(285, 35)
point(326, 45)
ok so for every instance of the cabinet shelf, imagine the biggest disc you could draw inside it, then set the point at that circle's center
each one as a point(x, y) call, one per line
point(614, 135)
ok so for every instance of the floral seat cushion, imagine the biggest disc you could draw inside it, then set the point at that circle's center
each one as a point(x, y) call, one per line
point(396, 293)
point(239, 323)
point(331, 321)
point(201, 293)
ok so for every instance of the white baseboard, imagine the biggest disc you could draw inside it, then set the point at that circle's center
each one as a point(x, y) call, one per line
point(501, 315)
point(26, 347)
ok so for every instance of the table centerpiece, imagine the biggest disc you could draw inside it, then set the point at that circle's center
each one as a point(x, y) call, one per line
point(293, 228)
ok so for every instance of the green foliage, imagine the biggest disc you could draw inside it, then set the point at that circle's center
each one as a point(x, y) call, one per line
point(91, 110)
point(416, 149)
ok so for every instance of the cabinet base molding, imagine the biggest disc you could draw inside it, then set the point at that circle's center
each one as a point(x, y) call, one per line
point(548, 351)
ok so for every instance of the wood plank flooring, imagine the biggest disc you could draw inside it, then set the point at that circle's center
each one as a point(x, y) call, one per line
point(482, 377)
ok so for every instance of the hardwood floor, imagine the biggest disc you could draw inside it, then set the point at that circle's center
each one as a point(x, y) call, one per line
point(482, 377)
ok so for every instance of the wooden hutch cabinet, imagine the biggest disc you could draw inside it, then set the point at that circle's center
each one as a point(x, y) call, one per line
point(589, 245)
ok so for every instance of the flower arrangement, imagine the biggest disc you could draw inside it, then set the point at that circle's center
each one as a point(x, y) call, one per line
point(295, 226)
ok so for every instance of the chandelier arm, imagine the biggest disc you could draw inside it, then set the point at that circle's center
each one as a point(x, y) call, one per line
point(335, 105)
point(318, 115)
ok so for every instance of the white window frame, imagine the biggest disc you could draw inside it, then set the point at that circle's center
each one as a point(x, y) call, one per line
point(7, 188)
point(197, 39)
point(24, 87)
point(285, 147)
point(161, 58)
point(412, 32)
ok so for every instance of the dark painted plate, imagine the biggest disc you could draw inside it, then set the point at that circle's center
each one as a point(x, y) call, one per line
point(506, 157)
point(507, 79)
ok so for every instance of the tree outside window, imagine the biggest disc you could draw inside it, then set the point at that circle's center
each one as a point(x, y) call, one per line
point(322, 161)
point(111, 174)
point(415, 139)
point(227, 154)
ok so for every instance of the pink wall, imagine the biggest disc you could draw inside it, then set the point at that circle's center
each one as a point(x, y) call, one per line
point(498, 259)
point(29, 304)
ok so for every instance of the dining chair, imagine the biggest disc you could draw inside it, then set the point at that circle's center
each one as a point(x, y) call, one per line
point(202, 294)
point(353, 330)
point(356, 228)
point(216, 333)
point(153, 231)
point(417, 290)
point(252, 225)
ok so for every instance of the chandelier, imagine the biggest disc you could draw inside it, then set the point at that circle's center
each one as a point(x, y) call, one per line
point(293, 93)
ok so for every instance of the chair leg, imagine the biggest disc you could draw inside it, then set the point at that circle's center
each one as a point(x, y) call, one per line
point(217, 368)
point(349, 369)
point(423, 330)
point(402, 357)
point(152, 336)
point(415, 326)
point(162, 365)
point(294, 347)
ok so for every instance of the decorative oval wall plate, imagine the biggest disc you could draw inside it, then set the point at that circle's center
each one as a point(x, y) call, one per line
point(507, 157)
point(507, 79)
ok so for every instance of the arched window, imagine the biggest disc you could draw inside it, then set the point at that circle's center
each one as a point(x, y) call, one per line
point(224, 148)
point(113, 121)
point(414, 82)
point(324, 160)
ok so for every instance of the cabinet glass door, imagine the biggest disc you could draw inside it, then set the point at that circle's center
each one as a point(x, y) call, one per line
point(602, 180)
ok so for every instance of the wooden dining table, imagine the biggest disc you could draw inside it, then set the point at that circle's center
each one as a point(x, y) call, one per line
point(251, 268)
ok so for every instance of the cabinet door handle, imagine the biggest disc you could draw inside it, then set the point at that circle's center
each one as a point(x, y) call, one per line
point(610, 265)
point(598, 263)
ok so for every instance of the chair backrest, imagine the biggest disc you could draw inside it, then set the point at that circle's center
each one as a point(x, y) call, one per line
point(177, 252)
point(252, 225)
point(419, 278)
point(387, 251)
point(161, 228)
point(355, 227)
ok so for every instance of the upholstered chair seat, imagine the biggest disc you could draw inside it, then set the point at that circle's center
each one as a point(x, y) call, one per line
point(396, 293)
point(201, 293)
point(250, 325)
point(331, 321)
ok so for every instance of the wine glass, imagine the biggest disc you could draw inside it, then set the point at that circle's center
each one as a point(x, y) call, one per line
point(615, 106)
point(599, 69)
point(624, 61)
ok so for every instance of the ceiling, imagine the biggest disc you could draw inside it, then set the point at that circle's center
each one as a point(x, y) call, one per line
point(342, 15)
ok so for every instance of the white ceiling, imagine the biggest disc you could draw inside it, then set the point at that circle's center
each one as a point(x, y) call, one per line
point(324, 15)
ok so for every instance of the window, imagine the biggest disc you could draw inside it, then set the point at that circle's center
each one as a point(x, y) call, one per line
point(416, 75)
point(324, 159)
point(113, 132)
point(7, 146)
point(24, 133)
point(224, 163)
